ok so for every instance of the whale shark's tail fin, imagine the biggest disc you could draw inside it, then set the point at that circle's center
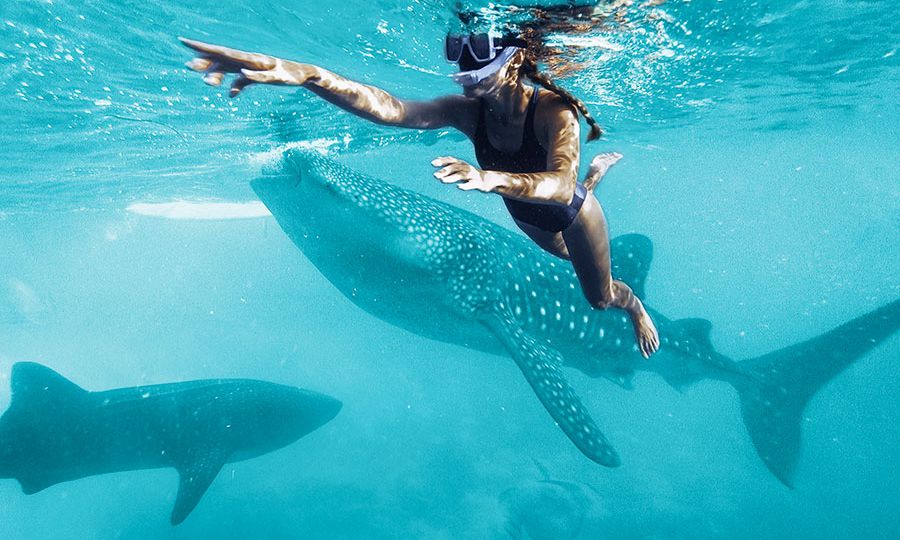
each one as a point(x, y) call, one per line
point(781, 383)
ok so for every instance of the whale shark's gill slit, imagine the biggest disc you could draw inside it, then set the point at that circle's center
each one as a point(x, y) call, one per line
point(541, 366)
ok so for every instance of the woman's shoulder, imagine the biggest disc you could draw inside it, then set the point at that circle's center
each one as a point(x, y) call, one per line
point(552, 112)
point(549, 102)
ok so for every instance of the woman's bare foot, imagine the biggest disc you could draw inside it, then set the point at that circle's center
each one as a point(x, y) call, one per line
point(599, 165)
point(644, 330)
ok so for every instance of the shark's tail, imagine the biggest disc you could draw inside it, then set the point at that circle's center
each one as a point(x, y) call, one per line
point(781, 383)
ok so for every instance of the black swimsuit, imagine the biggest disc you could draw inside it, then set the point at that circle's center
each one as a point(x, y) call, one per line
point(529, 158)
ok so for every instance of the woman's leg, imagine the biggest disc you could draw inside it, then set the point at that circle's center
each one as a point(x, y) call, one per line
point(587, 243)
point(551, 242)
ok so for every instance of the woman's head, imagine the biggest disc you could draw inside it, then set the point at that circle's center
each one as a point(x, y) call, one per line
point(490, 62)
point(480, 56)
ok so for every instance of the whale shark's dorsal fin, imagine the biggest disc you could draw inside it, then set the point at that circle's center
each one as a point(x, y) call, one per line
point(197, 470)
point(631, 257)
point(34, 385)
point(37, 391)
point(695, 330)
point(541, 366)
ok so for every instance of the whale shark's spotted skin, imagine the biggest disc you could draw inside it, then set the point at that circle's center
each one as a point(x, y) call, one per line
point(447, 274)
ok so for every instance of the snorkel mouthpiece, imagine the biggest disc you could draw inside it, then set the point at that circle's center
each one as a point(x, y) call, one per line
point(475, 76)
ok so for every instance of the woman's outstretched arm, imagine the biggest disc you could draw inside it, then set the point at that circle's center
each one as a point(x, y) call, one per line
point(365, 101)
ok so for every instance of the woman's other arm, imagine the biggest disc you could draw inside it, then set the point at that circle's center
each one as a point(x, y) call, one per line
point(555, 186)
point(365, 101)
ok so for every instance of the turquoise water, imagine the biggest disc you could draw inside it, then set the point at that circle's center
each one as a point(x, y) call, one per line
point(760, 144)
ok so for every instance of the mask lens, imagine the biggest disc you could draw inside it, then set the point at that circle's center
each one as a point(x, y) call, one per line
point(453, 48)
point(482, 47)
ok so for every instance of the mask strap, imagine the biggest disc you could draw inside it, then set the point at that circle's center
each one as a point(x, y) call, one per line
point(475, 76)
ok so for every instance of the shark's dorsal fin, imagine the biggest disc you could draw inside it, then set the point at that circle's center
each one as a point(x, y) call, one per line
point(687, 335)
point(541, 366)
point(34, 385)
point(696, 330)
point(38, 391)
point(196, 473)
point(631, 257)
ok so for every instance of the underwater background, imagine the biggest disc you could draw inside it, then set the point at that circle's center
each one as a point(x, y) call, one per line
point(761, 152)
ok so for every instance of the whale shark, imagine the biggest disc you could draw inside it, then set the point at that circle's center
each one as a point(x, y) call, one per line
point(449, 275)
point(55, 431)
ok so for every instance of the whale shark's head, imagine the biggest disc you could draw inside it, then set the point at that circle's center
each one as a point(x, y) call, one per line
point(272, 415)
point(321, 202)
point(307, 185)
point(371, 239)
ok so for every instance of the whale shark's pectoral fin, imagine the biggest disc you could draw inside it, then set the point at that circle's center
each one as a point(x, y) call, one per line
point(197, 473)
point(541, 366)
point(630, 258)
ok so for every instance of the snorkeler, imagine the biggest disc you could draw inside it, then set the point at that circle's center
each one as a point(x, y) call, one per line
point(526, 141)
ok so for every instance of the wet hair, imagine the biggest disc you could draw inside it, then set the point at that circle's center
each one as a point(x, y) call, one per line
point(530, 69)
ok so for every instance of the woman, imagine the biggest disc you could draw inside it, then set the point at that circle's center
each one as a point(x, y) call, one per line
point(526, 142)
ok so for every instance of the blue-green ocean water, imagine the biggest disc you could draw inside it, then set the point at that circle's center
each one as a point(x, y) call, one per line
point(761, 154)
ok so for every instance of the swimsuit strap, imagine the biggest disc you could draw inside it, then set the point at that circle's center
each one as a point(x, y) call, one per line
point(532, 104)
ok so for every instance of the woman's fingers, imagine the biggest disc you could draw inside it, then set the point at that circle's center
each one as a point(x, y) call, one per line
point(214, 74)
point(200, 46)
point(449, 166)
point(231, 59)
point(260, 76)
point(239, 84)
point(455, 177)
point(444, 160)
point(451, 176)
point(199, 64)
point(454, 170)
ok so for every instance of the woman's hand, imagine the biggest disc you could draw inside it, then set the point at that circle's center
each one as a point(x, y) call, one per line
point(215, 61)
point(456, 170)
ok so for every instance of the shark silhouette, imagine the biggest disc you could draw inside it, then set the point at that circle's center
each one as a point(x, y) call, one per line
point(55, 431)
point(447, 274)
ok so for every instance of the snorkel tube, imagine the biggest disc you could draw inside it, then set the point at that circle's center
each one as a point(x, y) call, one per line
point(475, 76)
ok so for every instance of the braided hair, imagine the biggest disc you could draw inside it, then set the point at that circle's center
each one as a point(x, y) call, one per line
point(530, 69)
